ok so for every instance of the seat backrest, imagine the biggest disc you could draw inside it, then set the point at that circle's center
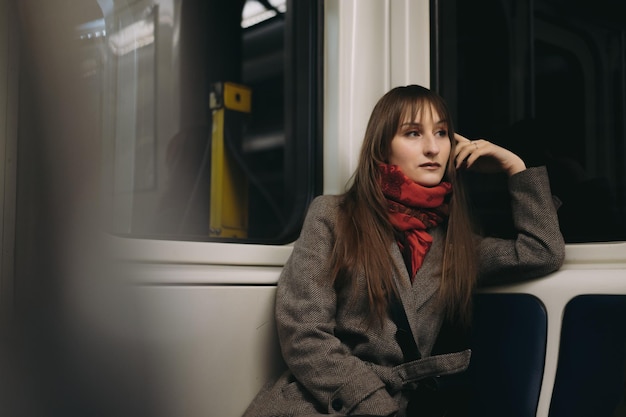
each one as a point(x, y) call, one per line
point(508, 354)
point(590, 377)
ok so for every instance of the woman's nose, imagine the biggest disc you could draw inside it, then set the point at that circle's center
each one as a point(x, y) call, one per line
point(431, 147)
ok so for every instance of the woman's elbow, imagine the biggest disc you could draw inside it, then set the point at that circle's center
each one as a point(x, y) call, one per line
point(553, 256)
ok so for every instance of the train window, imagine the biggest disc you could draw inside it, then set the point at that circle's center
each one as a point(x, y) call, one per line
point(210, 117)
point(547, 79)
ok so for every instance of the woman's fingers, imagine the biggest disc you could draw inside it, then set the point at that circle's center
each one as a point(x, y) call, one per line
point(476, 149)
point(466, 151)
point(460, 138)
point(485, 156)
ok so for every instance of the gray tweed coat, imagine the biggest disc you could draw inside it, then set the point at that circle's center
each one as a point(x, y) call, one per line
point(338, 364)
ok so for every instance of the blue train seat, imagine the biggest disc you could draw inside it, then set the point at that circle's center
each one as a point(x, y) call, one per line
point(592, 357)
point(508, 353)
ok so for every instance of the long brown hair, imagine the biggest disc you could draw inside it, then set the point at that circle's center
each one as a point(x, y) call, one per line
point(364, 232)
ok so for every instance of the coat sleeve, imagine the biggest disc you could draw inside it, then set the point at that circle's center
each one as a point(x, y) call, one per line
point(538, 248)
point(305, 317)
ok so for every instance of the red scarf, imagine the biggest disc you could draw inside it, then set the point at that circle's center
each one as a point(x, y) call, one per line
point(413, 208)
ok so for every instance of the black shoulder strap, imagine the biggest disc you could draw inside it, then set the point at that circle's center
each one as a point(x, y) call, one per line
point(452, 337)
point(404, 335)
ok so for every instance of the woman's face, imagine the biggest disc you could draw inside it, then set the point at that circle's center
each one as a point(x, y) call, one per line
point(421, 147)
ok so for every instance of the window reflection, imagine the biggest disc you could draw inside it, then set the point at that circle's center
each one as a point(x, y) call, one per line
point(165, 65)
point(544, 78)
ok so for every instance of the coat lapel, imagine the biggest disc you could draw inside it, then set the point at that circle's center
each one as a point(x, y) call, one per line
point(417, 298)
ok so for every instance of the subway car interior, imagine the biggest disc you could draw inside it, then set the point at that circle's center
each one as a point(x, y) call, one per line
point(159, 157)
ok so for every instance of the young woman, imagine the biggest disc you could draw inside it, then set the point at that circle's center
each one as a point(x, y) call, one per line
point(378, 271)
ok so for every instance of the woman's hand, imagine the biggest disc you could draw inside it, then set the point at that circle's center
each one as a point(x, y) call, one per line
point(483, 156)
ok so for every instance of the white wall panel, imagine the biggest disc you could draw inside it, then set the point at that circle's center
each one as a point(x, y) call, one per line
point(212, 348)
point(357, 74)
point(410, 43)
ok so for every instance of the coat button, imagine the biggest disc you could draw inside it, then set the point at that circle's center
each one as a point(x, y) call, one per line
point(337, 404)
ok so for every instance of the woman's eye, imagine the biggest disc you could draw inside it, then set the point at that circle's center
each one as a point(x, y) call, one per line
point(412, 133)
point(442, 133)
